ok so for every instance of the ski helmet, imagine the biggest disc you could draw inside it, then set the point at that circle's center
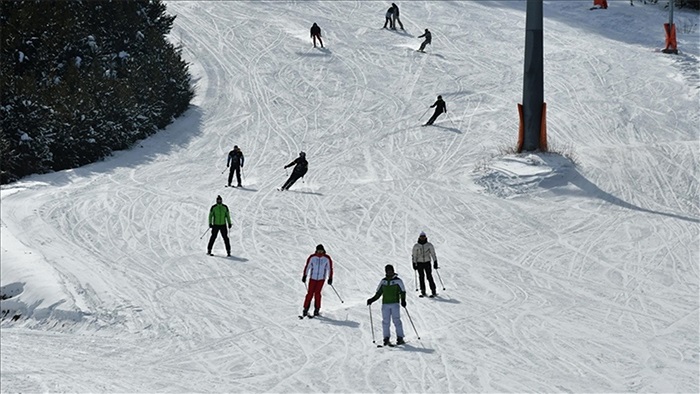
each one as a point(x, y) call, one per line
point(302, 154)
point(439, 97)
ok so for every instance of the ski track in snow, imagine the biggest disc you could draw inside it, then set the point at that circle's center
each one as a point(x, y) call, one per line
point(567, 278)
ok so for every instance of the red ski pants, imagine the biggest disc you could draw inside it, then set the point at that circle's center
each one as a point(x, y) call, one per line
point(314, 291)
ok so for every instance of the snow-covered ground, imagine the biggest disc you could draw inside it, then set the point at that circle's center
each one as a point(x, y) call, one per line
point(562, 273)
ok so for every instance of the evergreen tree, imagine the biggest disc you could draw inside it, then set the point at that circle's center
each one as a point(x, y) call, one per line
point(81, 79)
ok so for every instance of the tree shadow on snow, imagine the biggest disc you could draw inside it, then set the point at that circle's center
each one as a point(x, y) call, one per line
point(587, 188)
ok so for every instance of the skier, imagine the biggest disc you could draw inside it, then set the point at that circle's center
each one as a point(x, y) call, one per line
point(423, 252)
point(235, 160)
point(392, 291)
point(316, 33)
point(440, 107)
point(428, 40)
point(317, 266)
point(389, 18)
point(300, 167)
point(396, 16)
point(219, 217)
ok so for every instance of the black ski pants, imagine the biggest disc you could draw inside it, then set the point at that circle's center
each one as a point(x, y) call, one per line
point(423, 44)
point(293, 178)
point(425, 270)
point(237, 170)
point(215, 229)
point(435, 116)
point(389, 21)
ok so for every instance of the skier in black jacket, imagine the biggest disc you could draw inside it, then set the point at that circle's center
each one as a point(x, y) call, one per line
point(235, 163)
point(316, 33)
point(440, 107)
point(428, 39)
point(300, 167)
point(396, 16)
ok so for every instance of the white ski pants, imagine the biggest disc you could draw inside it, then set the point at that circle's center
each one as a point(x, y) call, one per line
point(391, 312)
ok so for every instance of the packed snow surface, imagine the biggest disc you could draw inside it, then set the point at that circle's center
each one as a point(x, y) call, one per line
point(571, 271)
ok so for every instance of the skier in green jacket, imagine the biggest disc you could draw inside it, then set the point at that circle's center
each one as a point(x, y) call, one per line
point(219, 217)
point(392, 291)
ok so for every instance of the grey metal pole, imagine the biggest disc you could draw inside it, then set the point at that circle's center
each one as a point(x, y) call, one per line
point(670, 12)
point(533, 79)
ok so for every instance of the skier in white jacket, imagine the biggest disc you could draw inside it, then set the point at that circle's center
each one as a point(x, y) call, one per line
point(423, 253)
point(318, 266)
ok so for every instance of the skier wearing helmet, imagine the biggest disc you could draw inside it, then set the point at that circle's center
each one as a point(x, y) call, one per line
point(440, 107)
point(300, 167)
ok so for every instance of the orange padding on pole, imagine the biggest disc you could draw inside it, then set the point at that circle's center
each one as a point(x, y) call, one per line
point(521, 129)
point(670, 37)
point(543, 129)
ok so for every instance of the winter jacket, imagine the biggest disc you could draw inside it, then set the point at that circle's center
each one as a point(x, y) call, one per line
point(428, 37)
point(441, 106)
point(317, 266)
point(391, 290)
point(390, 12)
point(301, 165)
point(422, 253)
point(219, 215)
point(235, 158)
point(315, 30)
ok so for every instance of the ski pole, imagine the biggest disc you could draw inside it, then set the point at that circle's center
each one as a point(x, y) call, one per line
point(416, 278)
point(370, 323)
point(336, 293)
point(224, 170)
point(426, 111)
point(411, 320)
point(205, 231)
point(438, 272)
point(450, 119)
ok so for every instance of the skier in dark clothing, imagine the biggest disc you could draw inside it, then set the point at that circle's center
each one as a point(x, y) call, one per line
point(300, 167)
point(316, 33)
point(219, 218)
point(428, 40)
point(440, 107)
point(396, 16)
point(235, 163)
point(389, 18)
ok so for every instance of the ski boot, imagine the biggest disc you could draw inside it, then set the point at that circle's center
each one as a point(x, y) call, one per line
point(386, 341)
point(400, 341)
point(317, 312)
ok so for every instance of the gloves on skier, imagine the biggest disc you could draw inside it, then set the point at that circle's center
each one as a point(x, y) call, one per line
point(435, 264)
point(231, 225)
point(303, 278)
point(330, 281)
point(415, 266)
point(211, 226)
point(403, 303)
point(369, 301)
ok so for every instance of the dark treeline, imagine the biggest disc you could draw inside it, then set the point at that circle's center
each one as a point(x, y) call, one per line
point(81, 79)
